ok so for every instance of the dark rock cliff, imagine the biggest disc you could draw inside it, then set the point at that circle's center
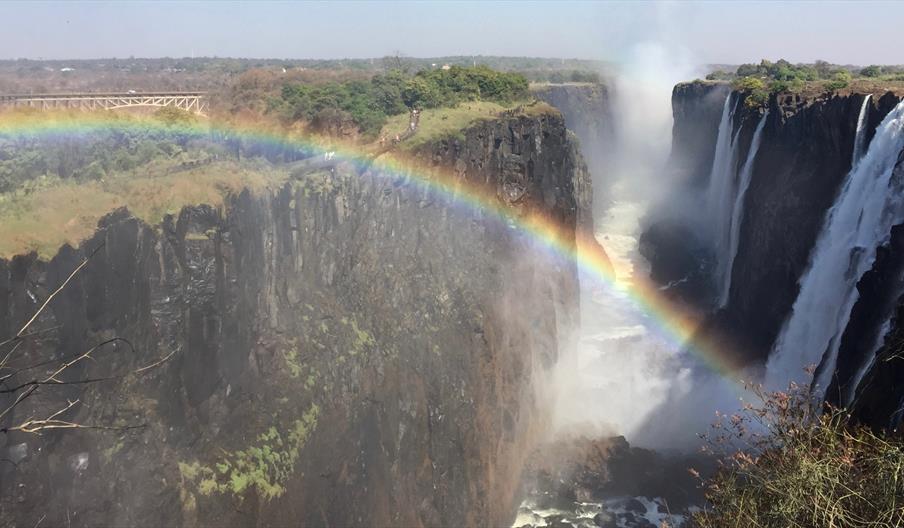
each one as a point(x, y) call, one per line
point(805, 153)
point(868, 347)
point(587, 109)
point(677, 253)
point(350, 350)
point(696, 111)
point(803, 158)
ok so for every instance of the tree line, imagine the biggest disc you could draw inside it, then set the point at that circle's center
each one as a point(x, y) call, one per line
point(365, 104)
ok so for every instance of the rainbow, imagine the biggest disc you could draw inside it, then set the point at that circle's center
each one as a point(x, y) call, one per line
point(675, 323)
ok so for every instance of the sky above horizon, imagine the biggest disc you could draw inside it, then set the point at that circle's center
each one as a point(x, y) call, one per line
point(700, 32)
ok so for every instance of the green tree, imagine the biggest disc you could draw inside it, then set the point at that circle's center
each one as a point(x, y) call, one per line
point(871, 71)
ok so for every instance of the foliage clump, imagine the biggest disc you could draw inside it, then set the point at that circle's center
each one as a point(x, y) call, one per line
point(787, 462)
point(121, 144)
point(755, 90)
point(784, 77)
point(264, 466)
point(366, 104)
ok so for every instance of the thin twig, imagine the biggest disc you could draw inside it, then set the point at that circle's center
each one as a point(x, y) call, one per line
point(58, 290)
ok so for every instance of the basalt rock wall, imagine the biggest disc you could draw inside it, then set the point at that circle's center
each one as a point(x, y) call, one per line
point(351, 349)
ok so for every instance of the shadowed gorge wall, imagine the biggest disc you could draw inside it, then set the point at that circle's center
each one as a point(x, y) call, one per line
point(587, 110)
point(349, 350)
point(802, 161)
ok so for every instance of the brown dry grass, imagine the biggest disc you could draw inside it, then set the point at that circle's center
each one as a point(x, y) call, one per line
point(66, 213)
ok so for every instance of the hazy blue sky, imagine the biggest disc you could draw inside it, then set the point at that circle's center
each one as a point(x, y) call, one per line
point(855, 32)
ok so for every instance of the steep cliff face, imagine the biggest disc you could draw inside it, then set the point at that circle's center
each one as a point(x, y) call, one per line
point(671, 243)
point(696, 109)
point(587, 109)
point(350, 350)
point(870, 371)
point(804, 155)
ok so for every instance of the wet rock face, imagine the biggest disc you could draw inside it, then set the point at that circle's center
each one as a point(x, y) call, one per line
point(802, 161)
point(678, 256)
point(348, 350)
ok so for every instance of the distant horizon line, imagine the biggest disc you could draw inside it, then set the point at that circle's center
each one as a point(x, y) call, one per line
point(603, 62)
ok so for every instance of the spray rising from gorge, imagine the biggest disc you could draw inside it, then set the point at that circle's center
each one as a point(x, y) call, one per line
point(621, 358)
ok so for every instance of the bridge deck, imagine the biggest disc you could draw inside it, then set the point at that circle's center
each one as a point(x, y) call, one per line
point(95, 95)
point(193, 101)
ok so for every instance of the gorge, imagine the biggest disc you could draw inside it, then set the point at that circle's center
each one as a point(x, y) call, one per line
point(516, 318)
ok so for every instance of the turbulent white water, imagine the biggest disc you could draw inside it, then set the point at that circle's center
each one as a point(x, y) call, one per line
point(867, 207)
point(737, 213)
point(618, 361)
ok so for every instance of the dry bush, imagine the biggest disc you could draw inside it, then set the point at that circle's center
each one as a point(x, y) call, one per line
point(790, 462)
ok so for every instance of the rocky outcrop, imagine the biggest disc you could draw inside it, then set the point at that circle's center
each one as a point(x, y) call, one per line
point(352, 349)
point(578, 478)
point(587, 109)
point(696, 110)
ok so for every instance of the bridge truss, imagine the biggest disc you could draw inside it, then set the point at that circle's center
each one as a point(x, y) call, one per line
point(195, 102)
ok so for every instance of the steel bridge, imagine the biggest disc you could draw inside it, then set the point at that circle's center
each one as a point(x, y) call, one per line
point(195, 102)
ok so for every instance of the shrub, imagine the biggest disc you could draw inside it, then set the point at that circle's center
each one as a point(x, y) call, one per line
point(585, 76)
point(840, 80)
point(370, 102)
point(755, 90)
point(871, 71)
point(788, 462)
point(792, 86)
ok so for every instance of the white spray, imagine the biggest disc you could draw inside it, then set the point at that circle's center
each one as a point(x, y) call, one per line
point(624, 375)
point(867, 207)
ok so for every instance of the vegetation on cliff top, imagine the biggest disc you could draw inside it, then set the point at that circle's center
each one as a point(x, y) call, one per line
point(48, 212)
point(437, 124)
point(54, 187)
point(759, 81)
point(364, 106)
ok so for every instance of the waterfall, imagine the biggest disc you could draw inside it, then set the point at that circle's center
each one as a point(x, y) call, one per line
point(867, 364)
point(721, 175)
point(737, 213)
point(869, 204)
point(720, 193)
point(860, 137)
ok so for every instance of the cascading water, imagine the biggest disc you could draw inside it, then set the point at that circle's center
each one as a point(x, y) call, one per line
point(867, 364)
point(860, 138)
point(737, 213)
point(869, 204)
point(720, 193)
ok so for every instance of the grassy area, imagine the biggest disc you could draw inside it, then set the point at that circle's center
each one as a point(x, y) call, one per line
point(45, 217)
point(437, 123)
